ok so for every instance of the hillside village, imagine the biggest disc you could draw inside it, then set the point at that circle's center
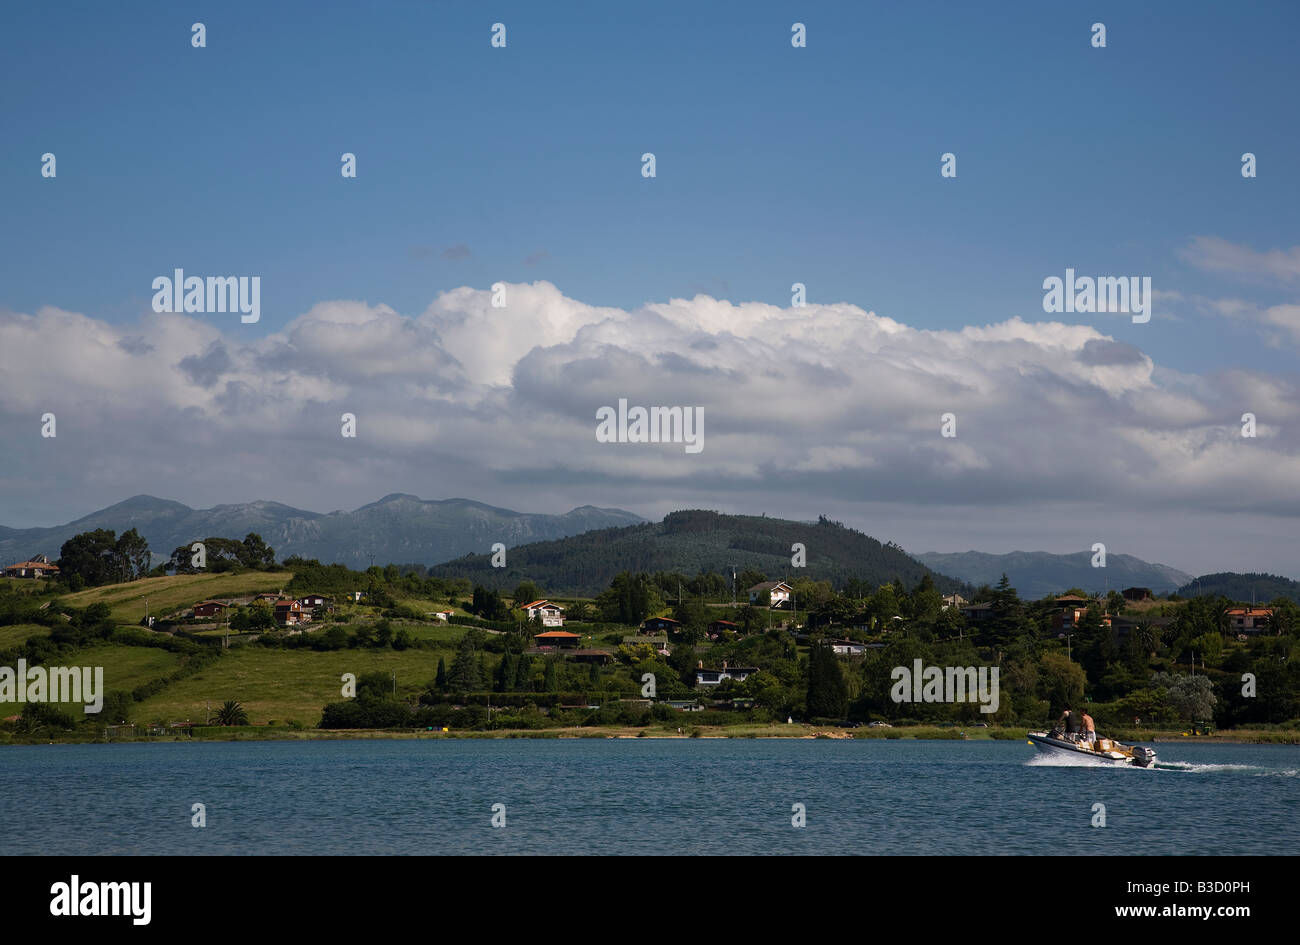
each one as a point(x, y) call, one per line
point(266, 643)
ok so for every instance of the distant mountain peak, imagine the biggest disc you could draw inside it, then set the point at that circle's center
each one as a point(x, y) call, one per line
point(398, 529)
point(1036, 574)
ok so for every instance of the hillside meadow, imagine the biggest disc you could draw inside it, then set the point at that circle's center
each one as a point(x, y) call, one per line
point(285, 685)
point(169, 594)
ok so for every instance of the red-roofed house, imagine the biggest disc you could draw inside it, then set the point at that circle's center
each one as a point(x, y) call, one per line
point(560, 639)
point(210, 608)
point(38, 567)
point(289, 612)
point(1248, 619)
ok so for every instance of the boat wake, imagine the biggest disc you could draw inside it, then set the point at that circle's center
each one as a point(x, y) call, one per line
point(1073, 761)
point(1256, 770)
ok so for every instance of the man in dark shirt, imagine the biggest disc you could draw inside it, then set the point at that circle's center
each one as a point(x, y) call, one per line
point(1069, 722)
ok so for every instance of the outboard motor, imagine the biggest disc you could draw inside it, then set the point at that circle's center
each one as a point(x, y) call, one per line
point(1143, 757)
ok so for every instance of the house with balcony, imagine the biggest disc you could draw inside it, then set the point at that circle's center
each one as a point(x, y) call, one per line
point(289, 613)
point(551, 615)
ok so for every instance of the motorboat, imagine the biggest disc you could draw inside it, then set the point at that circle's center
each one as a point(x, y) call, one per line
point(1070, 746)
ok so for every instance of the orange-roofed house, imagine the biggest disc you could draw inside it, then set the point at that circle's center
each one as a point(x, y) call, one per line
point(38, 567)
point(557, 639)
point(1249, 619)
point(552, 615)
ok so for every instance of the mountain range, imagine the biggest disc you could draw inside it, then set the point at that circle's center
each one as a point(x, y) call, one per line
point(1035, 574)
point(581, 550)
point(398, 529)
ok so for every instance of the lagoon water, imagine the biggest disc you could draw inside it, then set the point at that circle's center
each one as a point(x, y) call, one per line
point(640, 796)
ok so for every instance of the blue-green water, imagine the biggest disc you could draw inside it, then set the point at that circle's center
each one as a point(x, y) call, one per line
point(638, 796)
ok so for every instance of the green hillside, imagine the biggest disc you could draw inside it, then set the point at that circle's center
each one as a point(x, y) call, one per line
point(1243, 587)
point(168, 594)
point(692, 541)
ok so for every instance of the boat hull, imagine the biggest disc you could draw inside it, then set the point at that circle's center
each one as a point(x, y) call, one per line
point(1072, 752)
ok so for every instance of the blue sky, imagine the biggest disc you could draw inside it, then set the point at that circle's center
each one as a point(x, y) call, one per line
point(775, 165)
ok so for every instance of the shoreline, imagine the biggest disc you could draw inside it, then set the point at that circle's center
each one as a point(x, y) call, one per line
point(778, 731)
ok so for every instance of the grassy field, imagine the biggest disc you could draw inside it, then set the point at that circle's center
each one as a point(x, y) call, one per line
point(285, 685)
point(168, 594)
point(125, 667)
point(17, 634)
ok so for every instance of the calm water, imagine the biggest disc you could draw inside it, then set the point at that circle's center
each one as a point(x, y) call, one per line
point(640, 796)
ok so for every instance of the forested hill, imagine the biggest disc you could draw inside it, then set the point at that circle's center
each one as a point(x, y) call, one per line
point(1260, 588)
point(688, 542)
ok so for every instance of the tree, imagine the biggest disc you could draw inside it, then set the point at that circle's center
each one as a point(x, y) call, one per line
point(526, 592)
point(524, 674)
point(504, 677)
point(549, 681)
point(231, 713)
point(828, 696)
point(90, 557)
point(117, 707)
point(464, 676)
point(255, 553)
point(1060, 681)
point(440, 682)
point(1145, 636)
point(1192, 697)
point(131, 555)
point(260, 616)
point(488, 604)
point(629, 600)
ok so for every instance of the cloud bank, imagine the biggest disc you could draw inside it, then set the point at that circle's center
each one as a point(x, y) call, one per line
point(823, 403)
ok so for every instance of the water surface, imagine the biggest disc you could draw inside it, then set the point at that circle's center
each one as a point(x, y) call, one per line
point(640, 796)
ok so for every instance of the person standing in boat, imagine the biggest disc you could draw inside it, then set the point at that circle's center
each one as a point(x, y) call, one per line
point(1089, 729)
point(1068, 722)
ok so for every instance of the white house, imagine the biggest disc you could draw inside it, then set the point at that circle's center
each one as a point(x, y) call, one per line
point(38, 567)
point(715, 677)
point(779, 590)
point(847, 647)
point(552, 615)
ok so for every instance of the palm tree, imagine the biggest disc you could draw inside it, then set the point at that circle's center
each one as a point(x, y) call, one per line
point(1146, 637)
point(1219, 614)
point(231, 713)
